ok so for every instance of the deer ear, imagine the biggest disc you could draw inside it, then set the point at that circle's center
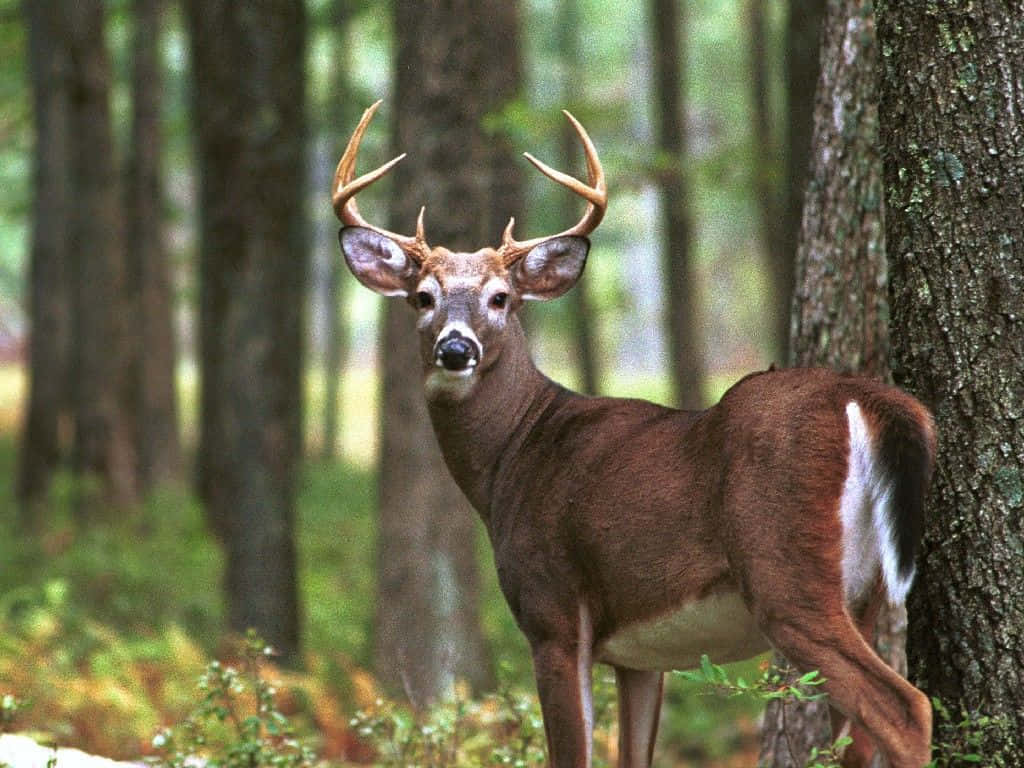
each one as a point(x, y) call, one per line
point(377, 261)
point(551, 268)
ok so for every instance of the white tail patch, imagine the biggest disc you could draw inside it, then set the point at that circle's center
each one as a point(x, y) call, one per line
point(865, 510)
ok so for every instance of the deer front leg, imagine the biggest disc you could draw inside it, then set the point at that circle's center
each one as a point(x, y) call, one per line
point(563, 684)
point(639, 708)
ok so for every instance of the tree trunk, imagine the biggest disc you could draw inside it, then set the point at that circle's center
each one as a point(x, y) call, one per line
point(803, 37)
point(839, 312)
point(103, 448)
point(341, 112)
point(765, 168)
point(501, 84)
point(681, 294)
point(149, 282)
point(249, 85)
point(427, 624)
point(49, 292)
point(951, 106)
point(580, 305)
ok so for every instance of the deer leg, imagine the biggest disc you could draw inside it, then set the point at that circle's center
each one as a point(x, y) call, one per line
point(862, 749)
point(860, 685)
point(639, 708)
point(563, 684)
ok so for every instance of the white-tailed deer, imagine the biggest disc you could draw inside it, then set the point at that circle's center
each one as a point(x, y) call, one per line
point(641, 536)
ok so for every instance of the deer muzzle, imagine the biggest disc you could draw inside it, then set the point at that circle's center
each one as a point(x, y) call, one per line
point(456, 352)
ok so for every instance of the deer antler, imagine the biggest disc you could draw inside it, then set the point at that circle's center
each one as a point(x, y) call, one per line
point(345, 189)
point(595, 192)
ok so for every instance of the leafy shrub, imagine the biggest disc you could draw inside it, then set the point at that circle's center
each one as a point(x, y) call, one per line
point(501, 729)
point(772, 684)
point(87, 684)
point(237, 723)
point(958, 739)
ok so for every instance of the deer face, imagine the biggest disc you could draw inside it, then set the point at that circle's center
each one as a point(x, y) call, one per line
point(463, 301)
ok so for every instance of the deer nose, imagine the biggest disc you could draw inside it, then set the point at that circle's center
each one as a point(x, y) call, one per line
point(455, 352)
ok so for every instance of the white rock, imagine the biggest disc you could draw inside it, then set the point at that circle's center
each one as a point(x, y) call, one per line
point(22, 752)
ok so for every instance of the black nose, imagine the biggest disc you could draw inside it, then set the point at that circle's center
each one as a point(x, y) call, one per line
point(455, 352)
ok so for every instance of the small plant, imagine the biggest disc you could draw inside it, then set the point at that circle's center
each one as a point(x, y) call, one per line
point(501, 729)
point(958, 738)
point(504, 728)
point(774, 683)
point(237, 723)
point(10, 706)
point(830, 756)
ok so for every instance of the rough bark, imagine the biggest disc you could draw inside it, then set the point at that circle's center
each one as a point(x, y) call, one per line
point(803, 36)
point(48, 393)
point(427, 624)
point(667, 22)
point(103, 453)
point(580, 305)
point(149, 289)
point(840, 309)
point(249, 85)
point(952, 100)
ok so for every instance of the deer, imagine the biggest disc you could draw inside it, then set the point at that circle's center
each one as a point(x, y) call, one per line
point(640, 536)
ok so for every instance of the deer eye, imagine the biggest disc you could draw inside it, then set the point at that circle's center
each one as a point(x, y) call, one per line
point(424, 300)
point(499, 300)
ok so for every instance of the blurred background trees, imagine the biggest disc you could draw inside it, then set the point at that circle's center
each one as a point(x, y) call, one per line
point(203, 427)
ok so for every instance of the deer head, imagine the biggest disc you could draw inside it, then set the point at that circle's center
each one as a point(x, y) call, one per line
point(465, 301)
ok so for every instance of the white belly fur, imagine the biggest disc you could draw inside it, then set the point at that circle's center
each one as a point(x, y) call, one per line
point(719, 625)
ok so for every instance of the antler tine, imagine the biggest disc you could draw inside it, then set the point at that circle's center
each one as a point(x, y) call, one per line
point(595, 192)
point(344, 190)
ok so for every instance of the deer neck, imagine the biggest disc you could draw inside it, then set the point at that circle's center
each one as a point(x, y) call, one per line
point(474, 432)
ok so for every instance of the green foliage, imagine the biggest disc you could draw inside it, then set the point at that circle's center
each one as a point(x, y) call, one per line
point(87, 683)
point(830, 756)
point(958, 738)
point(237, 723)
point(501, 729)
point(337, 539)
point(774, 683)
point(10, 706)
point(125, 573)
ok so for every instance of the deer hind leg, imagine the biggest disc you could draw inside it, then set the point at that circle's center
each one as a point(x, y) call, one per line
point(875, 699)
point(860, 752)
point(639, 708)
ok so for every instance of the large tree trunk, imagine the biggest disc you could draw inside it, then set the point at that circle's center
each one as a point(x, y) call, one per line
point(249, 86)
point(803, 37)
point(839, 312)
point(149, 281)
point(49, 292)
point(951, 106)
point(427, 624)
point(666, 20)
point(103, 449)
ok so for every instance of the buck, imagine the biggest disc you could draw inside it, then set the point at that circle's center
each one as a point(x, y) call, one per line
point(640, 536)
